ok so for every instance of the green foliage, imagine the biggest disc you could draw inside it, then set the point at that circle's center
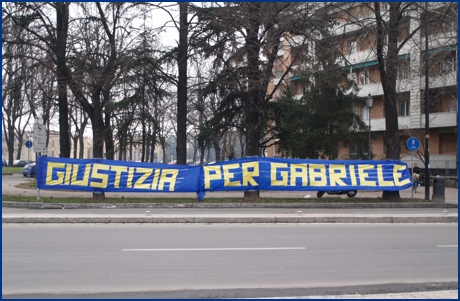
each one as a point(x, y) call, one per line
point(314, 125)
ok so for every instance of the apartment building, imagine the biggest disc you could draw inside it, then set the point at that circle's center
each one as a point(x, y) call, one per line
point(357, 43)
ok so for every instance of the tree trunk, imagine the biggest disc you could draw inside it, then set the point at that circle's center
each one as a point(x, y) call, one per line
point(215, 142)
point(10, 141)
point(98, 140)
point(75, 145)
point(181, 148)
point(388, 77)
point(108, 137)
point(62, 21)
point(82, 147)
point(253, 99)
point(20, 143)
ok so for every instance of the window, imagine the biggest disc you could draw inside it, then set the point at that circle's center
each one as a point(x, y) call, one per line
point(363, 77)
point(277, 74)
point(404, 69)
point(386, 6)
point(448, 24)
point(364, 112)
point(352, 76)
point(278, 65)
point(447, 64)
point(448, 143)
point(352, 47)
point(52, 153)
point(52, 142)
point(404, 108)
point(358, 150)
point(299, 54)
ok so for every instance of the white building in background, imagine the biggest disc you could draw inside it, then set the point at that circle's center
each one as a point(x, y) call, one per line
point(52, 150)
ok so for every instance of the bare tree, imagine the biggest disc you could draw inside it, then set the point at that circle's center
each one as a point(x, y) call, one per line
point(51, 37)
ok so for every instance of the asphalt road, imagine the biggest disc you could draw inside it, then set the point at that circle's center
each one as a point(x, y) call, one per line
point(198, 261)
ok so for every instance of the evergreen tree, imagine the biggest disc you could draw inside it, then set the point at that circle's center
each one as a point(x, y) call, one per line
point(320, 121)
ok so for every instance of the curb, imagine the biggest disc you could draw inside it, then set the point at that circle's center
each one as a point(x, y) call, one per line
point(228, 220)
point(39, 205)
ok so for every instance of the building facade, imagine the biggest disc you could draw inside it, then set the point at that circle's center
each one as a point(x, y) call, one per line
point(357, 44)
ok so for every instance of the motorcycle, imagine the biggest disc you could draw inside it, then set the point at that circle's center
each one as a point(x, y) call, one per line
point(349, 193)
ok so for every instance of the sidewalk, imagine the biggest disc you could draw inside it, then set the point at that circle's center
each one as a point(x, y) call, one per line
point(448, 294)
point(446, 212)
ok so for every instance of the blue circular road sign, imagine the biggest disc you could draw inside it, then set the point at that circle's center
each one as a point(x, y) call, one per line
point(28, 144)
point(412, 144)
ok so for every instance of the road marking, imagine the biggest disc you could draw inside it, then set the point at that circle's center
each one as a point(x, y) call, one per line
point(214, 249)
point(447, 246)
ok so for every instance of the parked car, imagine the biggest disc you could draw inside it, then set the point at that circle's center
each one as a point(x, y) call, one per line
point(29, 170)
point(4, 163)
point(20, 163)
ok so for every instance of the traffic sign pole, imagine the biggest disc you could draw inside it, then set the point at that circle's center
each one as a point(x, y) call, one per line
point(412, 163)
point(412, 144)
point(39, 147)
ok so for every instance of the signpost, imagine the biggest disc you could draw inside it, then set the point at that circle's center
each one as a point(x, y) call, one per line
point(39, 145)
point(28, 145)
point(39, 138)
point(412, 144)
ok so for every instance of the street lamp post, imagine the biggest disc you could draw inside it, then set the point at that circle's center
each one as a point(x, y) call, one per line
point(369, 106)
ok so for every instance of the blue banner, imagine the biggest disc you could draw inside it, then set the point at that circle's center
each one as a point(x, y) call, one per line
point(253, 173)
point(99, 175)
point(306, 175)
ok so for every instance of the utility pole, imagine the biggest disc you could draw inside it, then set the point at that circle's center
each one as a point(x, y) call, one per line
point(427, 110)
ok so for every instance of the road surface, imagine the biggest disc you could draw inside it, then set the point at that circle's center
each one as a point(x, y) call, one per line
point(223, 260)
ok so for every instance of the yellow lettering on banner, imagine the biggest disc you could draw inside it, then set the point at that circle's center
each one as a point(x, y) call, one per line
point(129, 180)
point(229, 175)
point(382, 181)
point(336, 174)
point(68, 174)
point(118, 170)
point(396, 169)
point(84, 181)
point(302, 174)
point(283, 174)
point(140, 182)
point(208, 176)
point(103, 177)
point(248, 176)
point(172, 173)
point(352, 175)
point(317, 174)
point(156, 177)
point(363, 175)
point(59, 174)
